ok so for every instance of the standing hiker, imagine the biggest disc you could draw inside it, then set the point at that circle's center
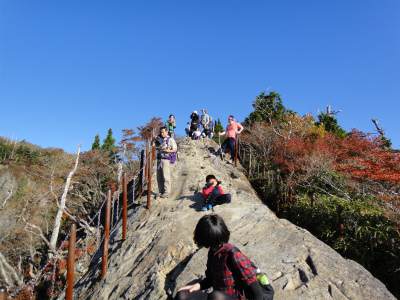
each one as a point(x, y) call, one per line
point(228, 271)
point(170, 124)
point(195, 118)
point(230, 142)
point(166, 154)
point(204, 119)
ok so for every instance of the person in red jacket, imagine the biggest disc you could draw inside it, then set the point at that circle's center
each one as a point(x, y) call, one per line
point(213, 193)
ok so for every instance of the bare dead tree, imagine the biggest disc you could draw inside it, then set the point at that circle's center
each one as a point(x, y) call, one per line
point(57, 220)
point(380, 130)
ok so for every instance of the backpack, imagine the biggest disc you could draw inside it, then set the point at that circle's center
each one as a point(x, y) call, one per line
point(266, 287)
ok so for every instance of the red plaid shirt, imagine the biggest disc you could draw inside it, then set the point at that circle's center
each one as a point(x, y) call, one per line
point(221, 277)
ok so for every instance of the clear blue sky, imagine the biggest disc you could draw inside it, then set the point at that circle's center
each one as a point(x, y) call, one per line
point(74, 69)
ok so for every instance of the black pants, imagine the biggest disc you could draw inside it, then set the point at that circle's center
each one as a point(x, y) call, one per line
point(215, 295)
point(229, 143)
point(216, 198)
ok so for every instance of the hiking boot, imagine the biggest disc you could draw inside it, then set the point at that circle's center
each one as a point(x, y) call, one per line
point(165, 195)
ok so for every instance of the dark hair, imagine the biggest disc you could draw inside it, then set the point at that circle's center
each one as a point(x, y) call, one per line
point(211, 232)
point(231, 116)
point(171, 115)
point(165, 128)
point(210, 177)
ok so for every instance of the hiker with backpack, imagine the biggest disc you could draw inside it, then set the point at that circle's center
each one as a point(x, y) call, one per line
point(166, 155)
point(170, 124)
point(229, 272)
point(230, 142)
point(213, 193)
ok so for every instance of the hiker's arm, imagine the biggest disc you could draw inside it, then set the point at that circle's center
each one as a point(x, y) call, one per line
point(205, 283)
point(221, 133)
point(240, 129)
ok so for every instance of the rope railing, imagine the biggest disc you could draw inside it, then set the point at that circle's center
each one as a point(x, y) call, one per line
point(139, 179)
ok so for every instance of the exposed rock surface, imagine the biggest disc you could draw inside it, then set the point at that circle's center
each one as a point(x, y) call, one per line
point(159, 255)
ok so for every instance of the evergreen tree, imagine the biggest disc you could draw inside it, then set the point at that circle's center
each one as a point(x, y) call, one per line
point(96, 143)
point(218, 127)
point(330, 124)
point(267, 107)
point(108, 142)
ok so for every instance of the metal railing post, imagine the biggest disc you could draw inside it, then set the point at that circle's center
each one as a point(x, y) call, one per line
point(141, 172)
point(147, 160)
point(3, 293)
point(153, 150)
point(71, 262)
point(106, 235)
point(236, 149)
point(125, 209)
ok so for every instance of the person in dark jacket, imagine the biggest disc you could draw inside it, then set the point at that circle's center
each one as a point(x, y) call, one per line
point(195, 118)
point(226, 271)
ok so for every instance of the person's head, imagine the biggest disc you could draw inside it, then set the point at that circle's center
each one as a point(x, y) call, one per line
point(163, 132)
point(210, 178)
point(211, 232)
point(171, 117)
point(207, 127)
point(197, 128)
point(231, 119)
point(203, 111)
point(210, 119)
point(195, 112)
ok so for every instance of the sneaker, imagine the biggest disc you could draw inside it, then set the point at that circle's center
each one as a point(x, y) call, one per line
point(204, 208)
point(212, 155)
point(165, 195)
point(231, 161)
point(209, 206)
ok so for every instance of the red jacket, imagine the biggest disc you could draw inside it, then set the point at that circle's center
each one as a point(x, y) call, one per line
point(208, 190)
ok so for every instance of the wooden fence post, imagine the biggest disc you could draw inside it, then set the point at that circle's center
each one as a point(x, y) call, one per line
point(71, 262)
point(125, 209)
point(3, 293)
point(153, 150)
point(340, 219)
point(106, 236)
point(263, 170)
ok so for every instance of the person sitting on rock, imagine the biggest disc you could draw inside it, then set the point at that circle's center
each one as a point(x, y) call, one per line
point(206, 131)
point(191, 128)
point(230, 143)
point(228, 271)
point(213, 193)
point(196, 135)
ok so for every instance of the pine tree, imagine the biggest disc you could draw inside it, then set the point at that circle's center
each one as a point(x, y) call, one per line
point(96, 143)
point(108, 142)
point(218, 127)
point(330, 124)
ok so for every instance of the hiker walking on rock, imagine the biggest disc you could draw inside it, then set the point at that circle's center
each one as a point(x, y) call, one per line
point(166, 154)
point(231, 130)
point(228, 271)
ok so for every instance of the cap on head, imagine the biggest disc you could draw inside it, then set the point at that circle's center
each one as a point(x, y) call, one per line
point(195, 112)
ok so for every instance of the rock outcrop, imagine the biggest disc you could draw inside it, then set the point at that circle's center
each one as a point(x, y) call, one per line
point(159, 255)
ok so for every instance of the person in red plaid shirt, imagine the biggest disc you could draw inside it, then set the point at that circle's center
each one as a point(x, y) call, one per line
point(228, 272)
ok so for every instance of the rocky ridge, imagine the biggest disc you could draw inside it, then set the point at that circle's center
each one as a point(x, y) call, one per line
point(159, 256)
